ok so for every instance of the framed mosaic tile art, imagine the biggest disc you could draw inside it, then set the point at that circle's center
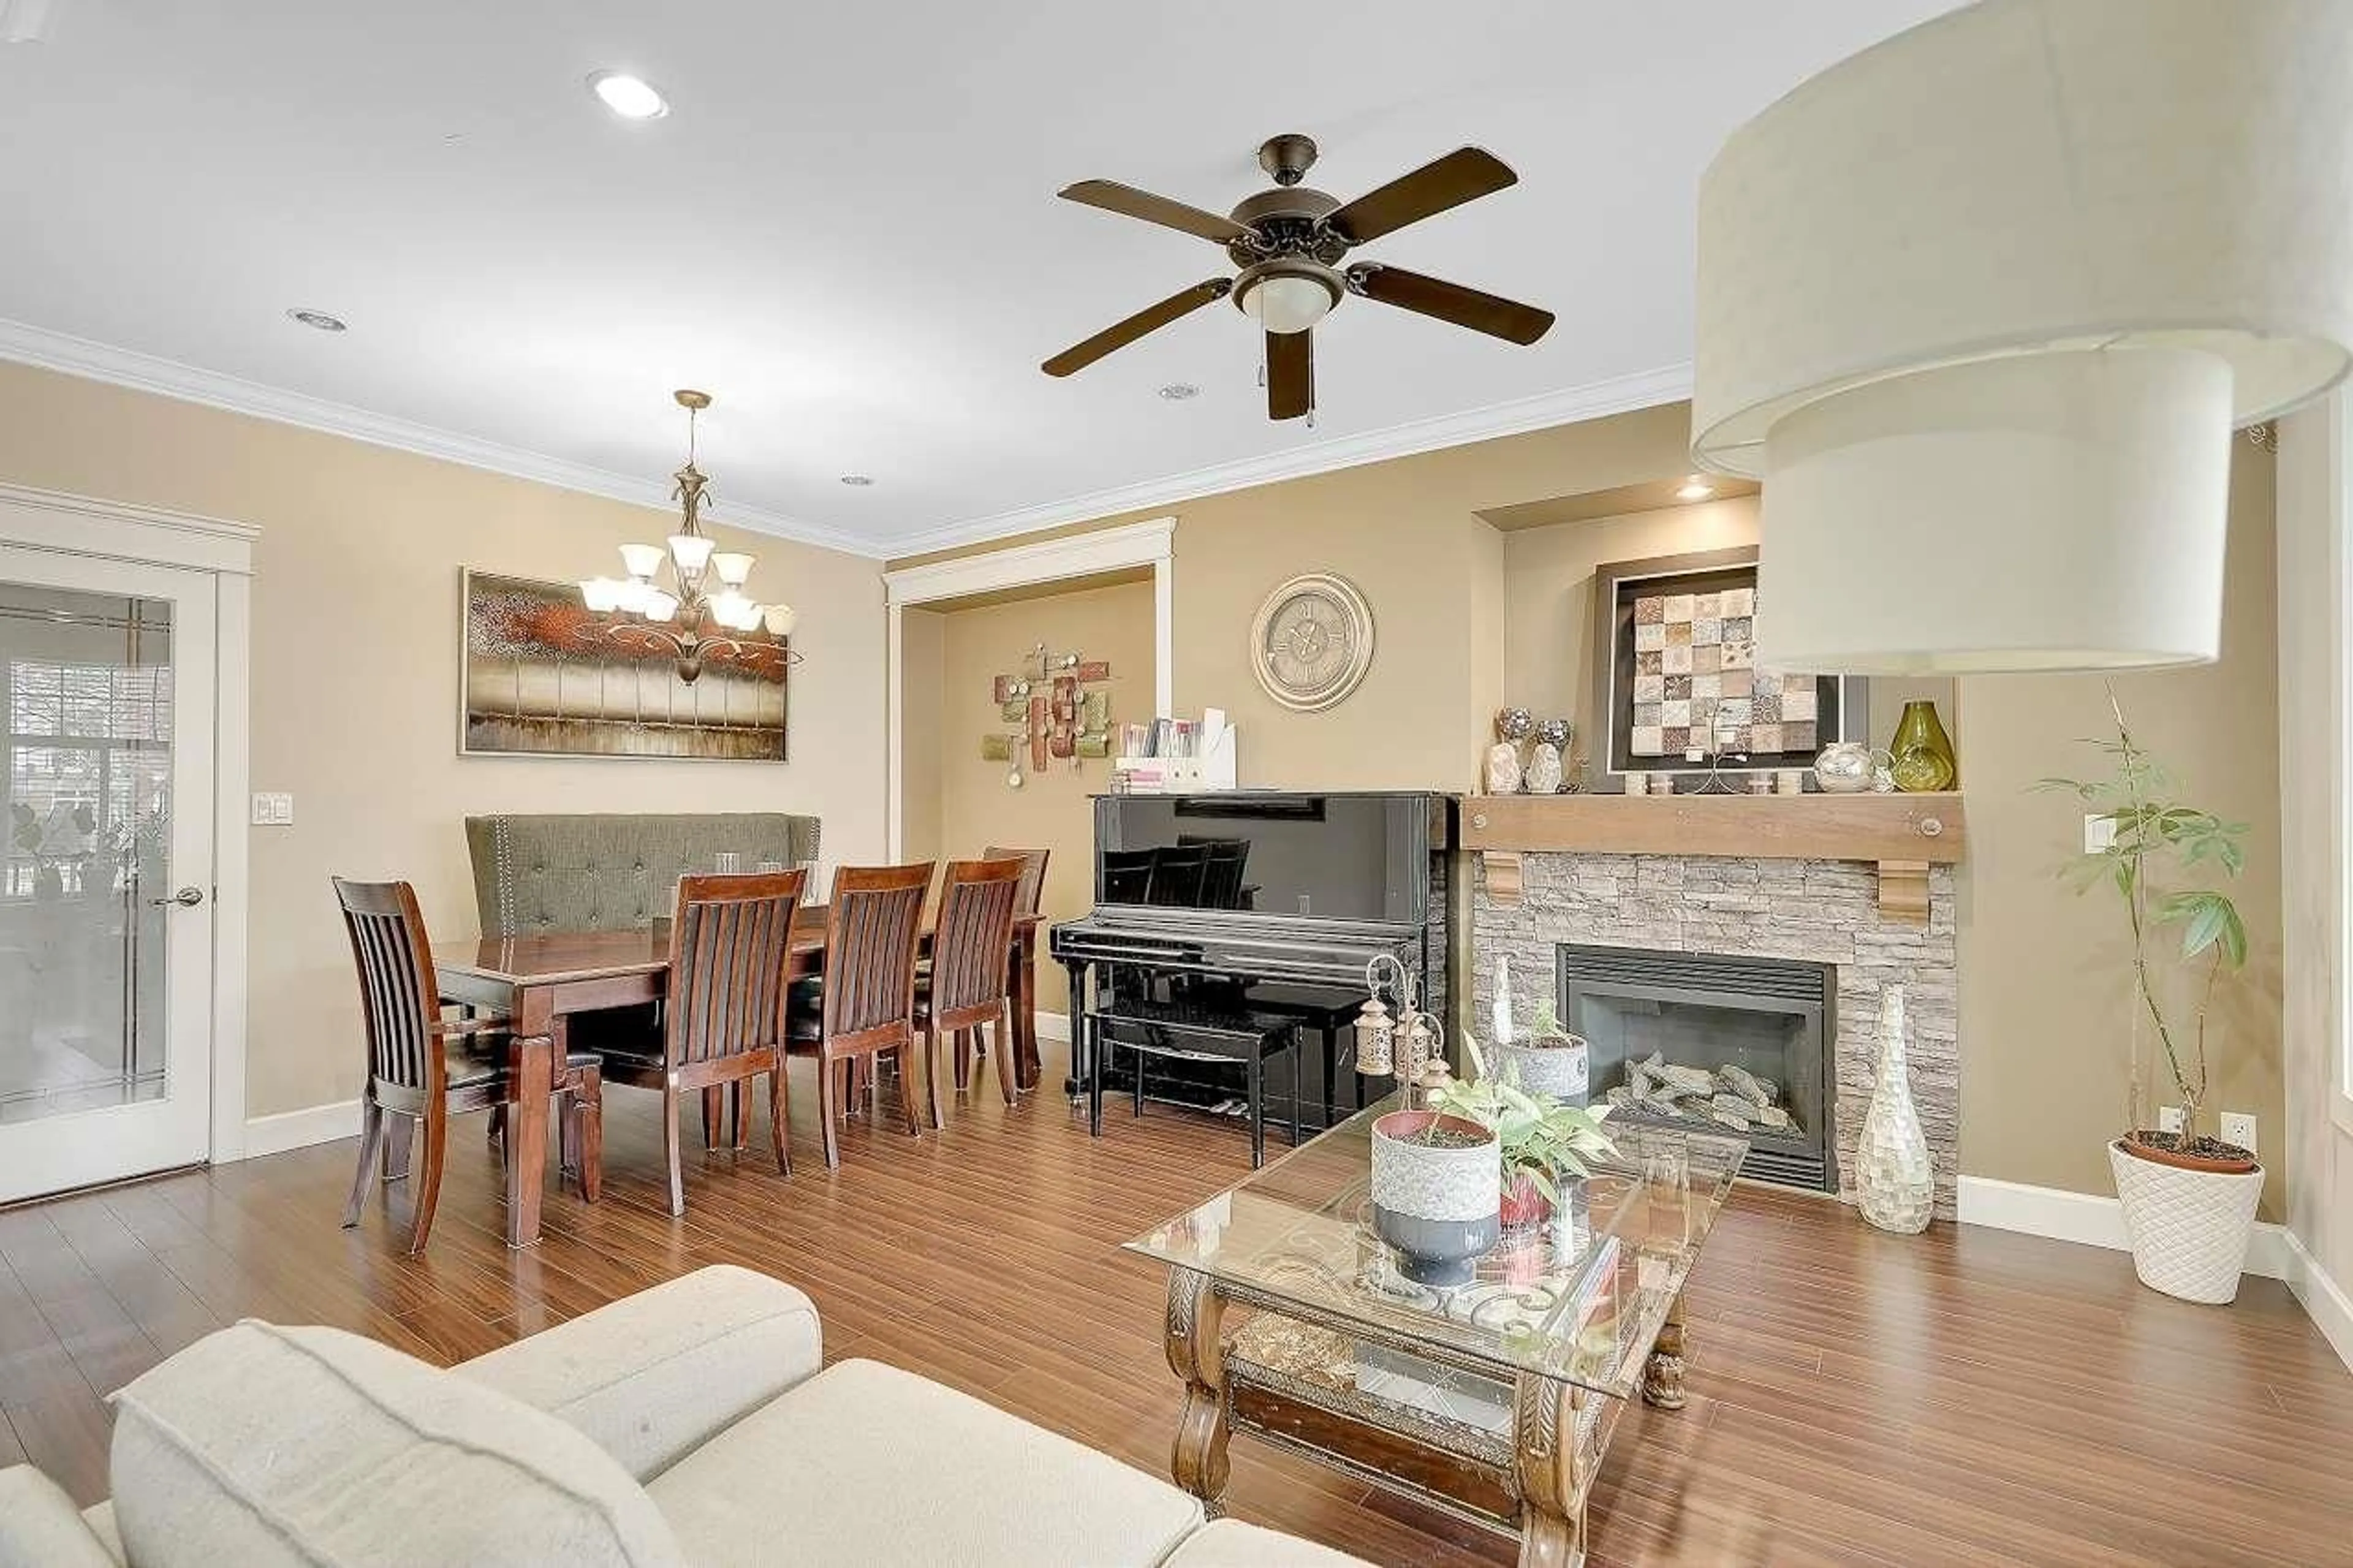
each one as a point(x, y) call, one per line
point(1676, 681)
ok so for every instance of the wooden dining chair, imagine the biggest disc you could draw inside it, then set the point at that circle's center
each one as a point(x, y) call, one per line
point(423, 1068)
point(967, 987)
point(1033, 875)
point(1023, 972)
point(866, 1007)
point(723, 1022)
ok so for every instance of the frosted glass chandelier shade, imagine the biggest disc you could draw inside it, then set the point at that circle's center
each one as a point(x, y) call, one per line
point(2023, 181)
point(2041, 512)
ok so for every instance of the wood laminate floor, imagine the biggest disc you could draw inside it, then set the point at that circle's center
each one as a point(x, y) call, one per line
point(1966, 1396)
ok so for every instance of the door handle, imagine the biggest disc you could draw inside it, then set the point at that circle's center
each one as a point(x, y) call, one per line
point(186, 898)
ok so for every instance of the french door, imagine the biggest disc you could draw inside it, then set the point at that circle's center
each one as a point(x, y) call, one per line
point(107, 866)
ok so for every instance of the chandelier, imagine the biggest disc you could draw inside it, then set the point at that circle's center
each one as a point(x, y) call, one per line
point(688, 621)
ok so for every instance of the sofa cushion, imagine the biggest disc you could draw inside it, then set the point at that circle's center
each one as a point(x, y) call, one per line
point(264, 1446)
point(1229, 1543)
point(99, 1517)
point(865, 1463)
point(40, 1527)
point(652, 1375)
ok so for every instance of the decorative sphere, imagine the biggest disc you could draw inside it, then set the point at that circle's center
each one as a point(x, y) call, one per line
point(1556, 733)
point(1514, 723)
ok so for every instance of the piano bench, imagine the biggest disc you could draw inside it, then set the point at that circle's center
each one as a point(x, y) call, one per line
point(1193, 1034)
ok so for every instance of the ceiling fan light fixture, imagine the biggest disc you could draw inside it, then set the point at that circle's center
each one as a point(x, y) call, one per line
point(1288, 297)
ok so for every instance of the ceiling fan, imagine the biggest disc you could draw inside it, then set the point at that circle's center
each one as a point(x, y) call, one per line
point(1289, 244)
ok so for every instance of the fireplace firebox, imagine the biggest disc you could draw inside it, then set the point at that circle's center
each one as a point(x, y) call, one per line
point(1713, 1042)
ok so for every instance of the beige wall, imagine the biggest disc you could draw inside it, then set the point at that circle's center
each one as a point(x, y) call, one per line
point(1469, 617)
point(356, 675)
point(2046, 998)
point(1407, 533)
point(922, 636)
point(1051, 810)
point(2313, 504)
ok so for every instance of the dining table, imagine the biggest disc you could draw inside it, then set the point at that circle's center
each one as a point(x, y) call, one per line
point(539, 981)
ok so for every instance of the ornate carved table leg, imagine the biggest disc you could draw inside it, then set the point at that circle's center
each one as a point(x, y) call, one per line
point(1554, 1471)
point(1662, 1373)
point(1199, 1464)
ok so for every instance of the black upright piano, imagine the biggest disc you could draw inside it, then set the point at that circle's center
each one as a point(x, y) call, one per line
point(1251, 903)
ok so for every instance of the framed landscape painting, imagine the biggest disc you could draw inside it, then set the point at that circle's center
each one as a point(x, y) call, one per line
point(1676, 681)
point(536, 680)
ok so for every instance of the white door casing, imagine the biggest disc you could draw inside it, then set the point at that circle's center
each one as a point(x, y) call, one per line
point(203, 568)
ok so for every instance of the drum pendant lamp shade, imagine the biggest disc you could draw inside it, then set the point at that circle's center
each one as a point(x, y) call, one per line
point(1983, 305)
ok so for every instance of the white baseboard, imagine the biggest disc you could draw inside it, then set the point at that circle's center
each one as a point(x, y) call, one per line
point(2325, 1300)
point(301, 1129)
point(2089, 1219)
point(1054, 1026)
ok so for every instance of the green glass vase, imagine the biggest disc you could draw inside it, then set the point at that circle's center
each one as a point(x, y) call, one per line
point(1923, 751)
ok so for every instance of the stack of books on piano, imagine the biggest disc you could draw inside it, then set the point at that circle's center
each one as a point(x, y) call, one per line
point(1174, 756)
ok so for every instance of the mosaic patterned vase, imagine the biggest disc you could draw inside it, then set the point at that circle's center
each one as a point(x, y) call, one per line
point(1894, 1181)
point(1440, 1207)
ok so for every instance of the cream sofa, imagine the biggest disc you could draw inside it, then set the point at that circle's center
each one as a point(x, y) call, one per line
point(689, 1424)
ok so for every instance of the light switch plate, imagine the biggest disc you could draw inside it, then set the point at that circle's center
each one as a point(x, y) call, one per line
point(2238, 1127)
point(2099, 832)
point(273, 808)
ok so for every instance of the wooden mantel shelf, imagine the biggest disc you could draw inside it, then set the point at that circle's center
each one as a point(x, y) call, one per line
point(1903, 834)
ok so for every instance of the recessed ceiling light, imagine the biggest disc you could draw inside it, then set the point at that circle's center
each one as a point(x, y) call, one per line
point(1695, 489)
point(631, 98)
point(858, 481)
point(1178, 391)
point(319, 319)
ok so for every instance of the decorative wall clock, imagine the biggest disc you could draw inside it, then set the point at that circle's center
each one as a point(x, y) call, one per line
point(1313, 642)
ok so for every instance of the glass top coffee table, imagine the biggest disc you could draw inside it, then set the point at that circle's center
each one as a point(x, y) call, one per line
point(1494, 1401)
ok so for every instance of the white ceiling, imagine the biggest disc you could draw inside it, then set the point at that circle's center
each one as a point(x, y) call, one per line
point(846, 229)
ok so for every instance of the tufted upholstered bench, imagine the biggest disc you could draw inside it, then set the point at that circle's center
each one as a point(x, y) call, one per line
point(612, 872)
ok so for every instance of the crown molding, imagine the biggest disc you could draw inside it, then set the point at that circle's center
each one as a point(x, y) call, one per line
point(1595, 400)
point(32, 345)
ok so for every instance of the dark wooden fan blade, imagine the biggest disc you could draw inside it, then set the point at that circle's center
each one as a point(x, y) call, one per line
point(1289, 375)
point(1114, 197)
point(1452, 303)
point(1150, 319)
point(1464, 174)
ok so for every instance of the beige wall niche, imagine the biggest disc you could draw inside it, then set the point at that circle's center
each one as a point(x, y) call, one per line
point(355, 634)
point(1051, 810)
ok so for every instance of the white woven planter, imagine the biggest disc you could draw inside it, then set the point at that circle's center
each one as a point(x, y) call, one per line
point(2190, 1229)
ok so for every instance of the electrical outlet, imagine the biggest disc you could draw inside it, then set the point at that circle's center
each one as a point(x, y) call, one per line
point(2239, 1128)
point(2099, 832)
point(2169, 1119)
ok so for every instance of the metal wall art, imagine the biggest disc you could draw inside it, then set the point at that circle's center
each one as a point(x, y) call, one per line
point(1049, 712)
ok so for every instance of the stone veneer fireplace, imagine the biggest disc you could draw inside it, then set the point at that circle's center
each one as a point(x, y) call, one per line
point(1809, 912)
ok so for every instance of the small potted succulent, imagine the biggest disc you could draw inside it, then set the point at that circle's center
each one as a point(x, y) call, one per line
point(1437, 1194)
point(1539, 1138)
point(1548, 1059)
point(2188, 1198)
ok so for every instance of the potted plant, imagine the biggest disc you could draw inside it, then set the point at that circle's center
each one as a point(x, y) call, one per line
point(1437, 1194)
point(2188, 1198)
point(1540, 1137)
point(1548, 1059)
